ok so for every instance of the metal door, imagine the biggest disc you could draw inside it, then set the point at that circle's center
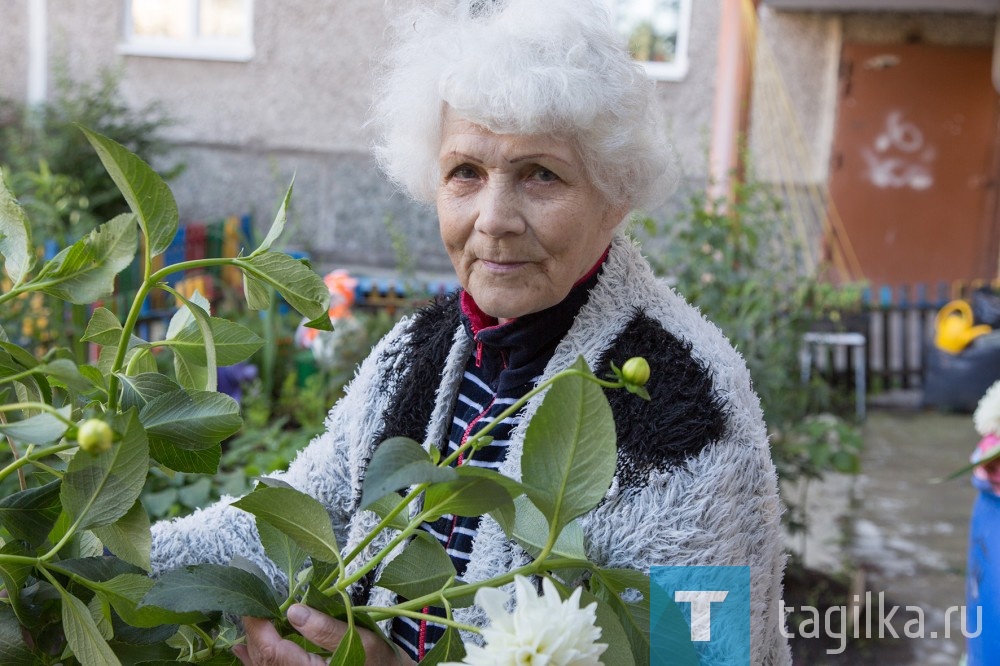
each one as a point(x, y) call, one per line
point(913, 172)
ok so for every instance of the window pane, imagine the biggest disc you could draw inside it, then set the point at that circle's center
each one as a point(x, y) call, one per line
point(651, 27)
point(223, 18)
point(160, 18)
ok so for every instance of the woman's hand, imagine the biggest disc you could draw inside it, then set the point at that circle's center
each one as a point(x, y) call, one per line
point(265, 647)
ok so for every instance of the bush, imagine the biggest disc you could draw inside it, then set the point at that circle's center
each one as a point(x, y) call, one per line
point(51, 167)
point(740, 271)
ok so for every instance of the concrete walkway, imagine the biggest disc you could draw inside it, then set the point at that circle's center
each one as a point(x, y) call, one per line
point(902, 535)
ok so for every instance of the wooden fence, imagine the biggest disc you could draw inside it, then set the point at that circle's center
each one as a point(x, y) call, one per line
point(898, 325)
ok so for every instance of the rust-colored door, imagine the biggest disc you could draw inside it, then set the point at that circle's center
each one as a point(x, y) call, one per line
point(913, 173)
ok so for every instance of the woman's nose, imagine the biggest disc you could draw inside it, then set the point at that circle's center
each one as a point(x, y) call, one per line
point(498, 212)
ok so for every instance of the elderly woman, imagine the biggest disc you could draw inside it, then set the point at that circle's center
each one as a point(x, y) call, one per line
point(529, 127)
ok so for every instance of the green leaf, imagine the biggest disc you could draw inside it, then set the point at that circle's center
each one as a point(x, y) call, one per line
point(212, 587)
point(569, 450)
point(281, 548)
point(531, 531)
point(66, 371)
point(14, 574)
point(320, 323)
point(13, 650)
point(463, 497)
point(422, 568)
point(190, 374)
point(15, 236)
point(147, 195)
point(670, 637)
point(129, 537)
point(185, 316)
point(619, 652)
point(278, 225)
point(30, 514)
point(503, 513)
point(400, 462)
point(200, 315)
point(94, 376)
point(608, 585)
point(125, 591)
point(233, 342)
point(200, 461)
point(83, 635)
point(100, 489)
point(190, 419)
point(295, 281)
point(85, 271)
point(40, 428)
point(384, 506)
point(257, 293)
point(20, 355)
point(137, 390)
point(449, 648)
point(296, 514)
point(103, 328)
point(349, 652)
point(100, 611)
point(99, 569)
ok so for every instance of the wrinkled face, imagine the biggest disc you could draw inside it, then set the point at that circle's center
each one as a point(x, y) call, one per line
point(519, 218)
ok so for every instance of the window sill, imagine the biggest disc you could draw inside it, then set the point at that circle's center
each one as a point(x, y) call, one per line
point(228, 53)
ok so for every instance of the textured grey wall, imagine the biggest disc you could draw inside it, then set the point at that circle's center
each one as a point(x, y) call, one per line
point(300, 105)
point(14, 38)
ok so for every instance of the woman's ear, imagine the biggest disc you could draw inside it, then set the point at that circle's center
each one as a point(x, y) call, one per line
point(614, 215)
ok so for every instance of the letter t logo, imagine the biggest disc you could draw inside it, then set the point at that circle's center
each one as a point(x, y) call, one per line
point(701, 610)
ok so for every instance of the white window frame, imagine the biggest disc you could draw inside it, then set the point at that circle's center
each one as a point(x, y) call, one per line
point(195, 47)
point(676, 69)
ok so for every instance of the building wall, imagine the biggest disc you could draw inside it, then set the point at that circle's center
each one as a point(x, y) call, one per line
point(14, 38)
point(299, 107)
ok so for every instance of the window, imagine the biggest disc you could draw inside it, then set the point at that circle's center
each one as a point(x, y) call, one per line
point(657, 33)
point(204, 29)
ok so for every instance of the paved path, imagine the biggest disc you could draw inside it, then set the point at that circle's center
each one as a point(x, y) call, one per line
point(906, 535)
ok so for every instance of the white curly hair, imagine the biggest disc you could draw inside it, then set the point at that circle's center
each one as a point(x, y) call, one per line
point(986, 418)
point(553, 67)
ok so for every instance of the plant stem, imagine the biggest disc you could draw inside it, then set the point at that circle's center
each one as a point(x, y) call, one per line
point(514, 408)
point(393, 611)
point(385, 522)
point(20, 375)
point(343, 583)
point(27, 458)
point(40, 406)
point(529, 569)
point(133, 315)
point(13, 451)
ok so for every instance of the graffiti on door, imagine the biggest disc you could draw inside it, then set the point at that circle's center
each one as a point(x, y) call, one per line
point(899, 157)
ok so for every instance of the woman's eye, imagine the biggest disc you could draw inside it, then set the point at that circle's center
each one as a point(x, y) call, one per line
point(463, 172)
point(545, 175)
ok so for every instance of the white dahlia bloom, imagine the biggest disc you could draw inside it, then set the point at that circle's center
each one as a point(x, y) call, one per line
point(542, 630)
point(987, 415)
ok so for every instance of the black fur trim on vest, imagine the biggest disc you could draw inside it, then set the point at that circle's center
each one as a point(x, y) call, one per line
point(685, 414)
point(431, 335)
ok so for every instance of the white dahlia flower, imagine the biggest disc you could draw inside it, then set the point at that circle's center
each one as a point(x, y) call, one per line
point(987, 415)
point(542, 631)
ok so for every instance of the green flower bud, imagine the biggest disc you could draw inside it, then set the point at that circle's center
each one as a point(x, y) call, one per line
point(636, 371)
point(95, 436)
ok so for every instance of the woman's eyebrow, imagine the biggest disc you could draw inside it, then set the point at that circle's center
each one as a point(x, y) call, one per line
point(535, 156)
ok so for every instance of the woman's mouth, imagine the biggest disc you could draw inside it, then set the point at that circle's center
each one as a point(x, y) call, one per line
point(501, 266)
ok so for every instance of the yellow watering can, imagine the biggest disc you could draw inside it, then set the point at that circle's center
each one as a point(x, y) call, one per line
point(954, 327)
